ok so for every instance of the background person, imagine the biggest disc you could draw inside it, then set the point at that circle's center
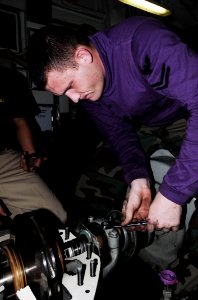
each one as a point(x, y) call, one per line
point(21, 188)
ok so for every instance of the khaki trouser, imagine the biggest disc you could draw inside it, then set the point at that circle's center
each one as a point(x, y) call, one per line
point(25, 191)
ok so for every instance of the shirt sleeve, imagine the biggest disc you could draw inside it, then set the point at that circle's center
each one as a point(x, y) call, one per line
point(21, 101)
point(123, 140)
point(172, 70)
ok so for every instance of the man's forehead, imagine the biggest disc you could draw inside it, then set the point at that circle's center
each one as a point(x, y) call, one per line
point(54, 76)
point(56, 82)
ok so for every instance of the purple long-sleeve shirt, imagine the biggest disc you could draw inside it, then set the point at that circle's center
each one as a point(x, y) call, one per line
point(152, 78)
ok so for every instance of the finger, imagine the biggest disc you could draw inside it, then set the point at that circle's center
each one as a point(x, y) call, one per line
point(142, 212)
point(141, 228)
point(150, 227)
point(127, 214)
point(141, 215)
point(175, 228)
point(124, 209)
point(124, 205)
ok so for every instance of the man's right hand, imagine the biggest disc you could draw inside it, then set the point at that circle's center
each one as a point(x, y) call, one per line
point(138, 200)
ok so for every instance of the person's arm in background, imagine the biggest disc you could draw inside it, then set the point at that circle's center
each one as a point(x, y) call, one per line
point(25, 139)
point(23, 109)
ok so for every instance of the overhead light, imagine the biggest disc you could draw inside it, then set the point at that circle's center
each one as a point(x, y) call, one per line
point(149, 6)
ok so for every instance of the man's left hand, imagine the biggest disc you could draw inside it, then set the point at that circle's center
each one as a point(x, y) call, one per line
point(164, 214)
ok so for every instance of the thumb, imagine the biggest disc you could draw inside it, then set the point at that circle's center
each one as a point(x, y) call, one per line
point(127, 214)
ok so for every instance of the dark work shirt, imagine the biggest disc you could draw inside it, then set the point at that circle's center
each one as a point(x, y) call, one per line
point(16, 100)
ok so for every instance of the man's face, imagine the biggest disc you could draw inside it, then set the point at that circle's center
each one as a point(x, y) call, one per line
point(84, 82)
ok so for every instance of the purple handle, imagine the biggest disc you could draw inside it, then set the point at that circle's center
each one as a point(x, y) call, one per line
point(168, 277)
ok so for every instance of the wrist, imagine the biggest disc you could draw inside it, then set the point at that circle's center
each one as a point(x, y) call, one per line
point(31, 160)
point(31, 155)
point(144, 182)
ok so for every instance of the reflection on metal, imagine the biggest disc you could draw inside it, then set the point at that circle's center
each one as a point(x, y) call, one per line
point(149, 6)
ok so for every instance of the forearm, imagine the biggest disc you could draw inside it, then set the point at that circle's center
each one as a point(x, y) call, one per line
point(24, 135)
point(123, 140)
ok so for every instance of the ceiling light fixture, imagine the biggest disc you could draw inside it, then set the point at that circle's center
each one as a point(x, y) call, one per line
point(149, 6)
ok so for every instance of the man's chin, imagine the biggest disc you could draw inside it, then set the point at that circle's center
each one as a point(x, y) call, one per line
point(94, 97)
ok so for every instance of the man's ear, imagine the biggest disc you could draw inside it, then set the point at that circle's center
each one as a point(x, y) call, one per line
point(83, 55)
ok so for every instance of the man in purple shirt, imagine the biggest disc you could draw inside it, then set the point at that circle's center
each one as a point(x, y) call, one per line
point(138, 71)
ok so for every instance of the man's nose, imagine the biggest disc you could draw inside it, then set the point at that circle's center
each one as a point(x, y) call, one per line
point(74, 96)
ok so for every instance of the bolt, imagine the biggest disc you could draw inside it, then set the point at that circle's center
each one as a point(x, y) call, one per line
point(93, 264)
point(89, 250)
point(80, 275)
point(66, 233)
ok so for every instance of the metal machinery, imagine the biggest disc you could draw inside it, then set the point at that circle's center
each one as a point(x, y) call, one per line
point(39, 259)
point(42, 260)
